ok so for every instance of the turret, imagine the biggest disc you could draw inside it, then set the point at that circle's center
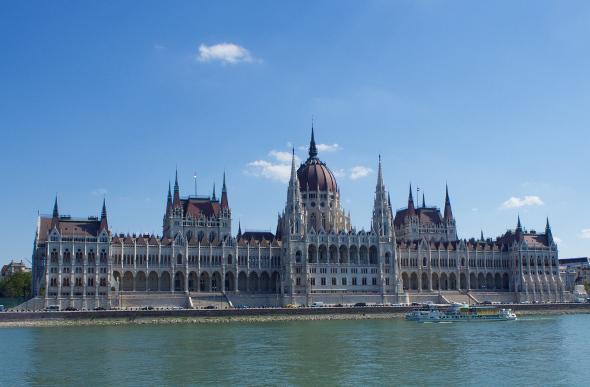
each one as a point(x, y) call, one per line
point(169, 203)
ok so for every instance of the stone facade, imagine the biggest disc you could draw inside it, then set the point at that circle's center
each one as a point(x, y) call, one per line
point(314, 255)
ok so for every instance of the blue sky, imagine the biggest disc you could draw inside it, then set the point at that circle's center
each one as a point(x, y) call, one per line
point(106, 99)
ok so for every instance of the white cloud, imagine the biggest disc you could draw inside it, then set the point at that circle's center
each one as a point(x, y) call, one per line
point(339, 172)
point(99, 191)
point(289, 144)
point(359, 171)
point(585, 233)
point(281, 170)
point(159, 47)
point(224, 52)
point(474, 209)
point(558, 240)
point(328, 148)
point(518, 202)
point(283, 157)
point(323, 147)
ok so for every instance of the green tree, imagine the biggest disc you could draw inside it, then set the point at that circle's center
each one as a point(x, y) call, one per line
point(16, 285)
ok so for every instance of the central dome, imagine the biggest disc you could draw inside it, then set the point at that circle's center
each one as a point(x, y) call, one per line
point(314, 175)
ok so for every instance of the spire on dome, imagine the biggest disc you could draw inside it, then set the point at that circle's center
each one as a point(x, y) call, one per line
point(481, 238)
point(313, 151)
point(518, 226)
point(423, 201)
point(213, 197)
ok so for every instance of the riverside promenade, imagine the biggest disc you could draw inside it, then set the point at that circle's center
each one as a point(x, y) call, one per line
point(115, 317)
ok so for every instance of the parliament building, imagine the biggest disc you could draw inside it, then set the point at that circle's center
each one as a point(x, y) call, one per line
point(412, 255)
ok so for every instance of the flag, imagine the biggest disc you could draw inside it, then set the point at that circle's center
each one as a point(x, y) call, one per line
point(195, 176)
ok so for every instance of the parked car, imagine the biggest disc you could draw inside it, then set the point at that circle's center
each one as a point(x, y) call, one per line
point(100, 308)
point(210, 307)
point(242, 307)
point(51, 308)
point(176, 308)
point(317, 304)
point(290, 306)
point(71, 309)
point(360, 304)
point(147, 308)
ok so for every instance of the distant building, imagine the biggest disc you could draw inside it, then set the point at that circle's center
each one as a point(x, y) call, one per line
point(13, 267)
point(315, 254)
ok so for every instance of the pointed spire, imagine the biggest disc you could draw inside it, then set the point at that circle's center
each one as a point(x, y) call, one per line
point(176, 202)
point(169, 193)
point(55, 220)
point(104, 225)
point(389, 200)
point(423, 201)
point(55, 209)
point(448, 213)
point(548, 233)
point(223, 188)
point(104, 208)
point(481, 238)
point(380, 176)
point(293, 168)
point(313, 151)
point(213, 197)
point(518, 226)
point(411, 209)
point(239, 230)
point(224, 203)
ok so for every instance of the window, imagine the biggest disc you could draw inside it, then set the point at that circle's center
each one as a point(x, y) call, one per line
point(343, 281)
point(78, 281)
point(354, 281)
point(364, 281)
point(374, 281)
point(334, 281)
point(298, 281)
point(103, 282)
point(323, 281)
point(90, 281)
point(66, 282)
point(312, 281)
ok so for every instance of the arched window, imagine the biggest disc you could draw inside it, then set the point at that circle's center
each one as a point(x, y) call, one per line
point(179, 259)
point(211, 236)
point(424, 261)
point(229, 259)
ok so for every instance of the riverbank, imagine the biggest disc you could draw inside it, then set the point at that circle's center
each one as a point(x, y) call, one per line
point(53, 319)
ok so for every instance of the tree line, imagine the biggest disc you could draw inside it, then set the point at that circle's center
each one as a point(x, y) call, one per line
point(16, 285)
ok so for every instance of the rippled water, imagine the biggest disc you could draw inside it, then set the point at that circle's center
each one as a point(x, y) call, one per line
point(551, 350)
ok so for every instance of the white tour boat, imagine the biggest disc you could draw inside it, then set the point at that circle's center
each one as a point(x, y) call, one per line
point(461, 312)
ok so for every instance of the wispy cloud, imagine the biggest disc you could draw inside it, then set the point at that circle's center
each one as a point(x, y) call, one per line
point(324, 147)
point(99, 191)
point(359, 171)
point(225, 53)
point(585, 233)
point(280, 169)
point(558, 240)
point(518, 202)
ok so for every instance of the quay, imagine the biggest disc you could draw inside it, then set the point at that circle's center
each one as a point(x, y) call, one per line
point(38, 318)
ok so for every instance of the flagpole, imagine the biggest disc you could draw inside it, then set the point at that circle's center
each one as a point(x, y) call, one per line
point(195, 176)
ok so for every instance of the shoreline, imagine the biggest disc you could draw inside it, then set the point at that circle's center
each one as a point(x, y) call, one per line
point(143, 320)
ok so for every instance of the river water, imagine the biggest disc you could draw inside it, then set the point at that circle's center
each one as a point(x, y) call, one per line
point(549, 350)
